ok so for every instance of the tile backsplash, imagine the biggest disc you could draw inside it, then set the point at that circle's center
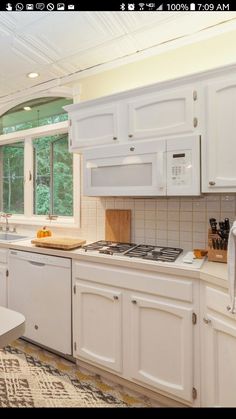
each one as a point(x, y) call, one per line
point(180, 222)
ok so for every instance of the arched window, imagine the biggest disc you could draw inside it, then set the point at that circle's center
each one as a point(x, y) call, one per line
point(36, 166)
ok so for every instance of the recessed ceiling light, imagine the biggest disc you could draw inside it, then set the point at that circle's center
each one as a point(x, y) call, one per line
point(32, 75)
point(27, 108)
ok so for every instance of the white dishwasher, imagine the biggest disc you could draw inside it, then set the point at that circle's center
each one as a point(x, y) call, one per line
point(40, 289)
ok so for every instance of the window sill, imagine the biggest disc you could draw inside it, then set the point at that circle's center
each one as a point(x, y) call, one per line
point(61, 222)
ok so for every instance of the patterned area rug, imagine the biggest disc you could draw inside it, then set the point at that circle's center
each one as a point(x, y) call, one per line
point(26, 381)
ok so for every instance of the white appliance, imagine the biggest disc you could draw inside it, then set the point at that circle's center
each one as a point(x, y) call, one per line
point(150, 168)
point(40, 289)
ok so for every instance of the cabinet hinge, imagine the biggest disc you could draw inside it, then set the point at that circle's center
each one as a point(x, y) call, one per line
point(75, 346)
point(194, 95)
point(7, 272)
point(195, 122)
point(74, 289)
point(194, 318)
point(194, 393)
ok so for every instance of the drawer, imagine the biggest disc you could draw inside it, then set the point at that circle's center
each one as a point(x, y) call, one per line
point(218, 301)
point(3, 255)
point(164, 285)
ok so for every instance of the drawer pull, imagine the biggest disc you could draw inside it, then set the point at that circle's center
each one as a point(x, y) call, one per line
point(115, 297)
point(134, 301)
point(36, 327)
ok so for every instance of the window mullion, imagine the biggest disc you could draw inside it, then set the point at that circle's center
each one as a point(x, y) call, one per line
point(28, 178)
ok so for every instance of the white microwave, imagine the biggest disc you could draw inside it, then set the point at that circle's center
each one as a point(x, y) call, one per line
point(148, 168)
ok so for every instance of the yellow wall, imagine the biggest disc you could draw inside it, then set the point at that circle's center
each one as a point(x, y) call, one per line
point(214, 52)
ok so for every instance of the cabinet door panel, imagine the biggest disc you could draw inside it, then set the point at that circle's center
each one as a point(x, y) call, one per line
point(161, 114)
point(94, 127)
point(162, 351)
point(97, 325)
point(219, 362)
point(220, 152)
point(3, 286)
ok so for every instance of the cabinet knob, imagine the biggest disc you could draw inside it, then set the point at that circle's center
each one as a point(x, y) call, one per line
point(206, 320)
point(114, 138)
point(212, 183)
point(115, 297)
point(134, 301)
point(36, 327)
point(130, 135)
point(228, 308)
point(132, 148)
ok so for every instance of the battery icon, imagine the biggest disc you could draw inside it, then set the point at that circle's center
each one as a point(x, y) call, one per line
point(192, 6)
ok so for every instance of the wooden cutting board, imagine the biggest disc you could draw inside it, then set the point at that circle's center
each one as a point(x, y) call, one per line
point(63, 243)
point(118, 225)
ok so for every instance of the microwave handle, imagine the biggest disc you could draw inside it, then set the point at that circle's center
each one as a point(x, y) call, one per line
point(161, 170)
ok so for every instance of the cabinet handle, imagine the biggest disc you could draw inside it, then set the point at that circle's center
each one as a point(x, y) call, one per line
point(228, 308)
point(212, 183)
point(195, 122)
point(115, 297)
point(134, 301)
point(130, 135)
point(132, 148)
point(36, 327)
point(207, 321)
point(114, 138)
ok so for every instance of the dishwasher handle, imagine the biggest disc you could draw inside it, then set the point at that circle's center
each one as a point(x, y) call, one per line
point(36, 263)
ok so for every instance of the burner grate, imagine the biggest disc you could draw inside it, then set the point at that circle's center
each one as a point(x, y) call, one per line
point(155, 253)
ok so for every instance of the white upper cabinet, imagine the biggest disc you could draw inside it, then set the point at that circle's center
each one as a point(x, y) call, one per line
point(220, 150)
point(93, 126)
point(144, 113)
point(163, 113)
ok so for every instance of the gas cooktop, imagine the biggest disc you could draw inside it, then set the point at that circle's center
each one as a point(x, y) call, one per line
point(132, 250)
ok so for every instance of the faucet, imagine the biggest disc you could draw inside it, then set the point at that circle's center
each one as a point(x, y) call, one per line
point(6, 216)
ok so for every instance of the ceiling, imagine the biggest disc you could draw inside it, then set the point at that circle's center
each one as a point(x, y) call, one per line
point(58, 45)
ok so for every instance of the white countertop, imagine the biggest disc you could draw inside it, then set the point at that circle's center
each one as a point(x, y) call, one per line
point(213, 272)
point(12, 326)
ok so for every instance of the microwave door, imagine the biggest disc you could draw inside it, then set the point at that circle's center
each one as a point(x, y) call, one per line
point(128, 175)
point(183, 166)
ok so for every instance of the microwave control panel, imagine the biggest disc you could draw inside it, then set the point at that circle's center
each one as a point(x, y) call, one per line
point(180, 165)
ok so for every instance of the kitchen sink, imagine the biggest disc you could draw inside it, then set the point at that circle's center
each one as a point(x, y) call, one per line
point(11, 237)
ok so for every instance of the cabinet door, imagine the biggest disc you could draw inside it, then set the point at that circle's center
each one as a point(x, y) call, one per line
point(93, 127)
point(164, 113)
point(219, 158)
point(162, 345)
point(97, 325)
point(219, 361)
point(3, 286)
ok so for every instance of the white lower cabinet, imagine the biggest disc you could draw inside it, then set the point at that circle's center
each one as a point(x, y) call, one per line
point(3, 277)
point(218, 363)
point(161, 338)
point(3, 285)
point(147, 338)
point(98, 324)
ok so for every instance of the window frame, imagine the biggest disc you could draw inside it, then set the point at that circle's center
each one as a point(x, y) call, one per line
point(27, 136)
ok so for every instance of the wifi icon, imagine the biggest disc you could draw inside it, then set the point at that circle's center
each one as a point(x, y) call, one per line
point(141, 6)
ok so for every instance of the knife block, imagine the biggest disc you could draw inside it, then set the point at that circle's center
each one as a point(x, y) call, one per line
point(215, 255)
